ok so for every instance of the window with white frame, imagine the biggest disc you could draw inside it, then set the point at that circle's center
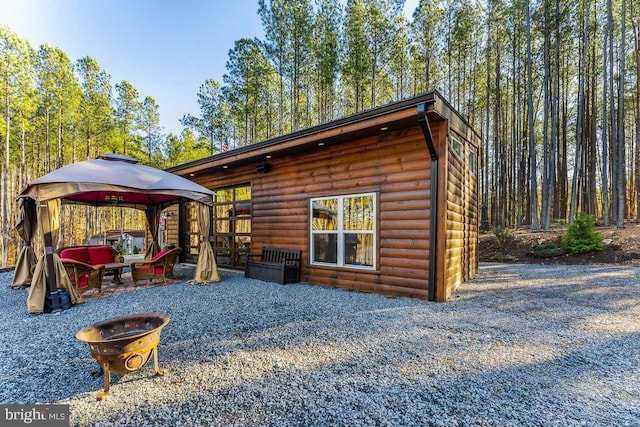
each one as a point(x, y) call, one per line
point(456, 147)
point(473, 162)
point(343, 231)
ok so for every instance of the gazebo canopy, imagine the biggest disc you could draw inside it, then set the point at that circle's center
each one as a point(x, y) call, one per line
point(112, 179)
point(109, 180)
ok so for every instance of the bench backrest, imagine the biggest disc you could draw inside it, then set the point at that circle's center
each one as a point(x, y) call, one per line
point(280, 256)
point(89, 254)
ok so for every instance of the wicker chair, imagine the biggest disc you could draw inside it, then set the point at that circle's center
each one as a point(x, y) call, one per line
point(160, 267)
point(84, 276)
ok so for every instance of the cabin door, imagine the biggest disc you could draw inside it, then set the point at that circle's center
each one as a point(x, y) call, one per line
point(232, 226)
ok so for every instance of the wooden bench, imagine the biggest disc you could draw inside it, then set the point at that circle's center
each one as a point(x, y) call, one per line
point(275, 265)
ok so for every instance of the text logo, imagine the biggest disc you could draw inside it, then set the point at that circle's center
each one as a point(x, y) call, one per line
point(34, 415)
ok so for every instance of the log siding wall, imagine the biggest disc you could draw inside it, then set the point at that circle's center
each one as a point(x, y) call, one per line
point(396, 166)
point(462, 232)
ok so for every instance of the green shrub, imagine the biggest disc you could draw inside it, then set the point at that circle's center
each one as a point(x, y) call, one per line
point(120, 250)
point(546, 249)
point(582, 236)
point(504, 236)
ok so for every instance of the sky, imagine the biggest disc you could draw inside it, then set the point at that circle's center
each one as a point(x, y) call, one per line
point(166, 49)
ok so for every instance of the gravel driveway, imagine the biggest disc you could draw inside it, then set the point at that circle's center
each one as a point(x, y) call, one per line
point(528, 345)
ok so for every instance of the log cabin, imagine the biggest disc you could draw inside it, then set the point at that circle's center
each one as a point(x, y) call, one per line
point(385, 200)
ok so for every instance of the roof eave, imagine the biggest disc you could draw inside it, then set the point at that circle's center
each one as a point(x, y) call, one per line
point(376, 117)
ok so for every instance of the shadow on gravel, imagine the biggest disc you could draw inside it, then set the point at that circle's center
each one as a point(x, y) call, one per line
point(530, 345)
point(565, 290)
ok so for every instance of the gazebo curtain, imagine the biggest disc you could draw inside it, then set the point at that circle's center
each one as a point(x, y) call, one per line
point(206, 269)
point(152, 214)
point(49, 222)
point(26, 228)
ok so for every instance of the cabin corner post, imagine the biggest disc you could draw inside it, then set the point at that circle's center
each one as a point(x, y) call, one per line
point(433, 226)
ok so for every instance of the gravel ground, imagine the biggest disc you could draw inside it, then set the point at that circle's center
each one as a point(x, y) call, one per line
point(520, 345)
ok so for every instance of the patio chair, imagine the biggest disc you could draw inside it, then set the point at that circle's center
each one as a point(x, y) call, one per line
point(160, 267)
point(84, 276)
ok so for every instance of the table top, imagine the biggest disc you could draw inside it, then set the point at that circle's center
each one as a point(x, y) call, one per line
point(115, 265)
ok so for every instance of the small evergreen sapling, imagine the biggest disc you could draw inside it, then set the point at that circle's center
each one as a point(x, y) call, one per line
point(582, 236)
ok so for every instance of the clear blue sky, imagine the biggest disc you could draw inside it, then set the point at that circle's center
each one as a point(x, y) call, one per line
point(165, 49)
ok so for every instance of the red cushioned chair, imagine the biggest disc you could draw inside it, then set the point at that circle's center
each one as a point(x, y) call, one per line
point(160, 267)
point(84, 276)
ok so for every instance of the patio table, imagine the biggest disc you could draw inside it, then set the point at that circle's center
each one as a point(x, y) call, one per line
point(116, 269)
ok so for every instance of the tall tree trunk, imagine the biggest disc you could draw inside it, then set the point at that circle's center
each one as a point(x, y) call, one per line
point(591, 188)
point(533, 184)
point(581, 114)
point(485, 184)
point(636, 42)
point(606, 214)
point(374, 72)
point(562, 186)
point(546, 205)
point(60, 160)
point(551, 182)
point(613, 133)
point(47, 143)
point(621, 163)
point(515, 123)
point(500, 152)
point(5, 180)
point(23, 154)
point(281, 88)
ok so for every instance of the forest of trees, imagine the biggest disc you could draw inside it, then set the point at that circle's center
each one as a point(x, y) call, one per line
point(551, 86)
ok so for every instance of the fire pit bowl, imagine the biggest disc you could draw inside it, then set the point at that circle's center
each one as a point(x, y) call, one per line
point(124, 344)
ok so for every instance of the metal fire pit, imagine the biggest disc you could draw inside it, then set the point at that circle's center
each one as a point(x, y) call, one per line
point(124, 344)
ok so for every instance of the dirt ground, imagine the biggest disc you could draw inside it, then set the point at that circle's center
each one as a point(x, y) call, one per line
point(623, 247)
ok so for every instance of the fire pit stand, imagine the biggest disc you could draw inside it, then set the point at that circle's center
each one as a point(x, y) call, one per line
point(124, 344)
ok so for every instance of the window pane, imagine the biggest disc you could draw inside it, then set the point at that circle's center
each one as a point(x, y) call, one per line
point(243, 193)
point(325, 248)
point(358, 249)
point(472, 161)
point(242, 209)
point(456, 147)
point(194, 244)
point(191, 226)
point(243, 226)
point(325, 214)
point(223, 211)
point(358, 213)
point(224, 195)
point(222, 226)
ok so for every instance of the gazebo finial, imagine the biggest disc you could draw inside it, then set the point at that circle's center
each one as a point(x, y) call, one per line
point(117, 157)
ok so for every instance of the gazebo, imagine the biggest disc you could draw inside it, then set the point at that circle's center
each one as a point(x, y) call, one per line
point(108, 180)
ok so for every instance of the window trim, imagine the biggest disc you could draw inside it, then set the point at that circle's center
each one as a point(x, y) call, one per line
point(340, 232)
point(457, 147)
point(473, 161)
